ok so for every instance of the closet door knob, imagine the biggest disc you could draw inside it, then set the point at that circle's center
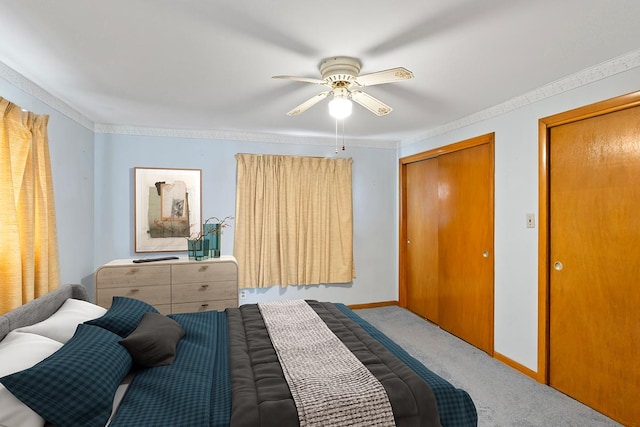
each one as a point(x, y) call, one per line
point(485, 254)
point(558, 266)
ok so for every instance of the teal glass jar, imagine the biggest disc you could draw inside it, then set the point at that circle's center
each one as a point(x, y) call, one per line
point(211, 233)
point(198, 249)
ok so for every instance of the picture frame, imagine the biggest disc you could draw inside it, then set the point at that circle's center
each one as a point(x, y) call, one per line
point(167, 208)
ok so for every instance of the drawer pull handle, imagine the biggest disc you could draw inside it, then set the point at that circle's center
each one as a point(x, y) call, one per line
point(204, 305)
point(133, 270)
point(133, 291)
point(204, 286)
point(203, 267)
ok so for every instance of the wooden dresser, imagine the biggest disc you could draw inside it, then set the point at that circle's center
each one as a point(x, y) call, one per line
point(174, 286)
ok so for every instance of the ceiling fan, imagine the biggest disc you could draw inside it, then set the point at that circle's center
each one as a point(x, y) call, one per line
point(341, 75)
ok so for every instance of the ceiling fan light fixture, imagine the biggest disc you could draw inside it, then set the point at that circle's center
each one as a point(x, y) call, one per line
point(341, 74)
point(340, 108)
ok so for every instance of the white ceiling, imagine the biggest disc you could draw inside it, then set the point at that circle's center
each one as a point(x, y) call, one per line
point(206, 66)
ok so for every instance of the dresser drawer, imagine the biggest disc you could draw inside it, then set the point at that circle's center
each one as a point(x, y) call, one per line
point(151, 275)
point(154, 295)
point(171, 286)
point(190, 307)
point(201, 272)
point(192, 292)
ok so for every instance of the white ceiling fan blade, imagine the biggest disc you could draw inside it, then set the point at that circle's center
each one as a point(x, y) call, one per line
point(301, 79)
point(370, 103)
point(308, 103)
point(386, 76)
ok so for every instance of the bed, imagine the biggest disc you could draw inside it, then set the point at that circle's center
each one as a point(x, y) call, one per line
point(70, 362)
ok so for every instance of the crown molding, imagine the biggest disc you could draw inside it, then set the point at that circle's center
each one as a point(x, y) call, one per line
point(589, 75)
point(240, 136)
point(29, 87)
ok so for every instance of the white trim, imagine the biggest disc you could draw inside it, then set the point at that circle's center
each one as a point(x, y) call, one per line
point(589, 75)
point(240, 136)
point(29, 87)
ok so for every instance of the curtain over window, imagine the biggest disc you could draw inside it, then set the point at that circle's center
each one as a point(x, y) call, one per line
point(294, 221)
point(28, 240)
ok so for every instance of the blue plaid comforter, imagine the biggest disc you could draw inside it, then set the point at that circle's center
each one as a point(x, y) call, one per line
point(196, 389)
point(455, 407)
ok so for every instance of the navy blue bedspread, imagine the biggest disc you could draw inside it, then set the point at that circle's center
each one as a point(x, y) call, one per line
point(196, 389)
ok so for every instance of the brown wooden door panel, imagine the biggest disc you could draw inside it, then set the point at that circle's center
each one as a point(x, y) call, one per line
point(447, 216)
point(422, 238)
point(594, 294)
point(466, 245)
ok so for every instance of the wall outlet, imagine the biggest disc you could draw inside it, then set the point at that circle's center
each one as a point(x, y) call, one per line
point(243, 294)
point(531, 220)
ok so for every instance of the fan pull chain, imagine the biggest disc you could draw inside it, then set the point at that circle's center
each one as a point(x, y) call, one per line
point(336, 151)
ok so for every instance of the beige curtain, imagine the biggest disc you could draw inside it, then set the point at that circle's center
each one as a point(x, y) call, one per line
point(28, 242)
point(294, 221)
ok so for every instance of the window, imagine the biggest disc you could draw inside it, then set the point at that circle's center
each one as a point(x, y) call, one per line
point(294, 221)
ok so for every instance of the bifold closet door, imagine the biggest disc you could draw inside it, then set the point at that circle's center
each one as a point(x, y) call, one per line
point(594, 272)
point(465, 249)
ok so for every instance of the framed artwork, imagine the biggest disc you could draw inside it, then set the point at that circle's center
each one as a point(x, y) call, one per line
point(168, 208)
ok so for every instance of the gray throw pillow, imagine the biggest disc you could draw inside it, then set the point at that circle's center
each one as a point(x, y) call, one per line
point(154, 341)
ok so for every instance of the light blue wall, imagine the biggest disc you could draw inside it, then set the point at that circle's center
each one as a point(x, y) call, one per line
point(93, 186)
point(71, 150)
point(95, 207)
point(516, 194)
point(374, 189)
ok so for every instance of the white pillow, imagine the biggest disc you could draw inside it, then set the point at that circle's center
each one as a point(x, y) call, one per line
point(19, 351)
point(62, 324)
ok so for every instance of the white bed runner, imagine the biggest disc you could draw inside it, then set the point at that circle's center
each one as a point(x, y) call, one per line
point(330, 386)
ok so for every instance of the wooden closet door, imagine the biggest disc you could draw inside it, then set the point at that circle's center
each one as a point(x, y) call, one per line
point(465, 280)
point(594, 293)
point(422, 238)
